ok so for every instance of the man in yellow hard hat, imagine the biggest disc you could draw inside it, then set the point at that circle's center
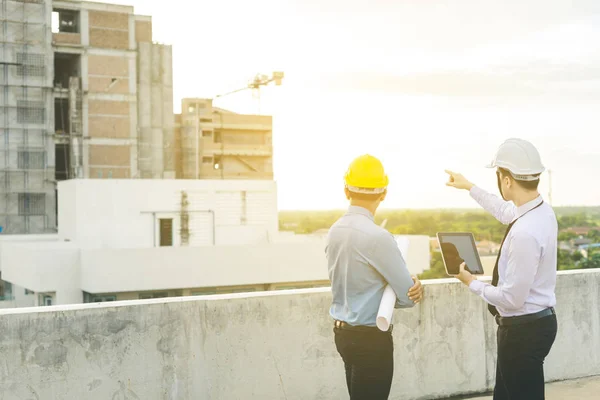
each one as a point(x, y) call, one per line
point(363, 258)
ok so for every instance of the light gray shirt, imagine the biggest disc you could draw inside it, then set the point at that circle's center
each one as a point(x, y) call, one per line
point(362, 259)
point(527, 265)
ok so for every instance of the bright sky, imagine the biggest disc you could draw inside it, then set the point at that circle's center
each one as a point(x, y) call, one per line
point(424, 85)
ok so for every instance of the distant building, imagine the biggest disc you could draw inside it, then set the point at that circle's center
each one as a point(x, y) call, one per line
point(579, 230)
point(488, 263)
point(86, 94)
point(487, 247)
point(581, 241)
point(213, 143)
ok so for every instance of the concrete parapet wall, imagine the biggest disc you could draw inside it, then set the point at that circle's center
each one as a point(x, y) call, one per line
point(270, 346)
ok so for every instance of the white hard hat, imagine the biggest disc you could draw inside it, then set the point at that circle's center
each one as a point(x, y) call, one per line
point(521, 158)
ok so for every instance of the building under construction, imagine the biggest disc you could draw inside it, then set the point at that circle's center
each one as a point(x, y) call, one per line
point(84, 94)
point(212, 143)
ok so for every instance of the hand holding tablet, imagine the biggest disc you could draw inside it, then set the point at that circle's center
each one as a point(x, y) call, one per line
point(458, 248)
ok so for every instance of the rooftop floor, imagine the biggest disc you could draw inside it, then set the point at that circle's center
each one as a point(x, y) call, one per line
point(577, 389)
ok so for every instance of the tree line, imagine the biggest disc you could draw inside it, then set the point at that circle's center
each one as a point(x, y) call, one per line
point(481, 224)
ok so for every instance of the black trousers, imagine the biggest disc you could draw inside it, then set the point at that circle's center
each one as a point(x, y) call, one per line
point(521, 353)
point(369, 362)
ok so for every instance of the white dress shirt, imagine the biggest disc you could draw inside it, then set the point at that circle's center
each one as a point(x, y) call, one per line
point(527, 265)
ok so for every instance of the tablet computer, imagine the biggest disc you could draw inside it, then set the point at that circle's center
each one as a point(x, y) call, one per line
point(459, 247)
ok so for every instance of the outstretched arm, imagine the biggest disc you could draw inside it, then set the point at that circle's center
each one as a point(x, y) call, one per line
point(503, 211)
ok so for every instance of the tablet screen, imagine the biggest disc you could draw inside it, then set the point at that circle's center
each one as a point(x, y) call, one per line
point(457, 248)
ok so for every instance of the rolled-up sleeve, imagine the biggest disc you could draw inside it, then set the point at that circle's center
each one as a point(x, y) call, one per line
point(524, 255)
point(387, 259)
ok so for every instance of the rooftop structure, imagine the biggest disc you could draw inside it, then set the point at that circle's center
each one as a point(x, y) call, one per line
point(136, 239)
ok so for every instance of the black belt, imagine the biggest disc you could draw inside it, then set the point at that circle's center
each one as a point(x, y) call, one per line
point(360, 328)
point(524, 319)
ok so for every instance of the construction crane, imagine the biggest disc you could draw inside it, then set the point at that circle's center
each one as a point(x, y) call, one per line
point(255, 84)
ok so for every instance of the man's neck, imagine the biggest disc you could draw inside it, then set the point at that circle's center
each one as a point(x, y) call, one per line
point(525, 197)
point(369, 205)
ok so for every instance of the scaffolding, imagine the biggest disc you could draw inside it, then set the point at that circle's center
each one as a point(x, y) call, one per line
point(27, 189)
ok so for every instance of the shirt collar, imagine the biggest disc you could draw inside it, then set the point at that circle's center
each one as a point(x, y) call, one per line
point(525, 208)
point(361, 211)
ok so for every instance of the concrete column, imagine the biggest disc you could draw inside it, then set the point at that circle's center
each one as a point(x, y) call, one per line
point(132, 42)
point(133, 118)
point(84, 24)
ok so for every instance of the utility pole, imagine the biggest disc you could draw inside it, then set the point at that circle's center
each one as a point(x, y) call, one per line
point(197, 142)
point(550, 186)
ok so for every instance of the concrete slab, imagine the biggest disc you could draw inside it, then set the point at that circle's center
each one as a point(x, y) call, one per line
point(577, 389)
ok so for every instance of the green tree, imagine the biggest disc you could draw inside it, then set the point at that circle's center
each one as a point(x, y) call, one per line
point(592, 261)
point(429, 222)
point(566, 236)
point(594, 235)
point(565, 260)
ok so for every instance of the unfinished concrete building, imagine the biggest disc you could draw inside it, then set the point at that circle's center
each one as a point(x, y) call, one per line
point(213, 143)
point(85, 94)
point(27, 190)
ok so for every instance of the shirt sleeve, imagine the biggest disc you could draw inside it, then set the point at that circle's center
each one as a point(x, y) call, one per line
point(387, 259)
point(503, 211)
point(524, 255)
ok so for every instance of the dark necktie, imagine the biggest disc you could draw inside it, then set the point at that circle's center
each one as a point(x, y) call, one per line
point(495, 276)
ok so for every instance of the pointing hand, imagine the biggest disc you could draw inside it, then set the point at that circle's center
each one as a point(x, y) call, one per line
point(458, 181)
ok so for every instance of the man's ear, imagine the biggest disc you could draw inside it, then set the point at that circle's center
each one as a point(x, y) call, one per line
point(347, 192)
point(383, 196)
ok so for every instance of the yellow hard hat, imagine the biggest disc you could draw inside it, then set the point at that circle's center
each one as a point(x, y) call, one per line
point(366, 175)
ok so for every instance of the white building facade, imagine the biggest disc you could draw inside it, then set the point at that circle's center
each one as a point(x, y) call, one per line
point(138, 239)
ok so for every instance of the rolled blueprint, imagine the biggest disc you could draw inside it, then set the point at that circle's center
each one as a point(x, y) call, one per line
point(388, 300)
point(386, 309)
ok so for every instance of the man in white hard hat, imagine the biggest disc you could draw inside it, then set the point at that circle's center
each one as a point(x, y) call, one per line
point(521, 296)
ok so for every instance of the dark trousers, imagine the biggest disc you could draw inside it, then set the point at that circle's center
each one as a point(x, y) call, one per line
point(369, 362)
point(521, 353)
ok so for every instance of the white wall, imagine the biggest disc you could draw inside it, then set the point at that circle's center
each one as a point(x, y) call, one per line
point(44, 267)
point(123, 213)
point(418, 258)
point(22, 299)
point(271, 346)
point(121, 270)
point(64, 268)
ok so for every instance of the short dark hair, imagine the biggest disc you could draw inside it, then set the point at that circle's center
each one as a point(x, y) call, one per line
point(527, 185)
point(365, 196)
